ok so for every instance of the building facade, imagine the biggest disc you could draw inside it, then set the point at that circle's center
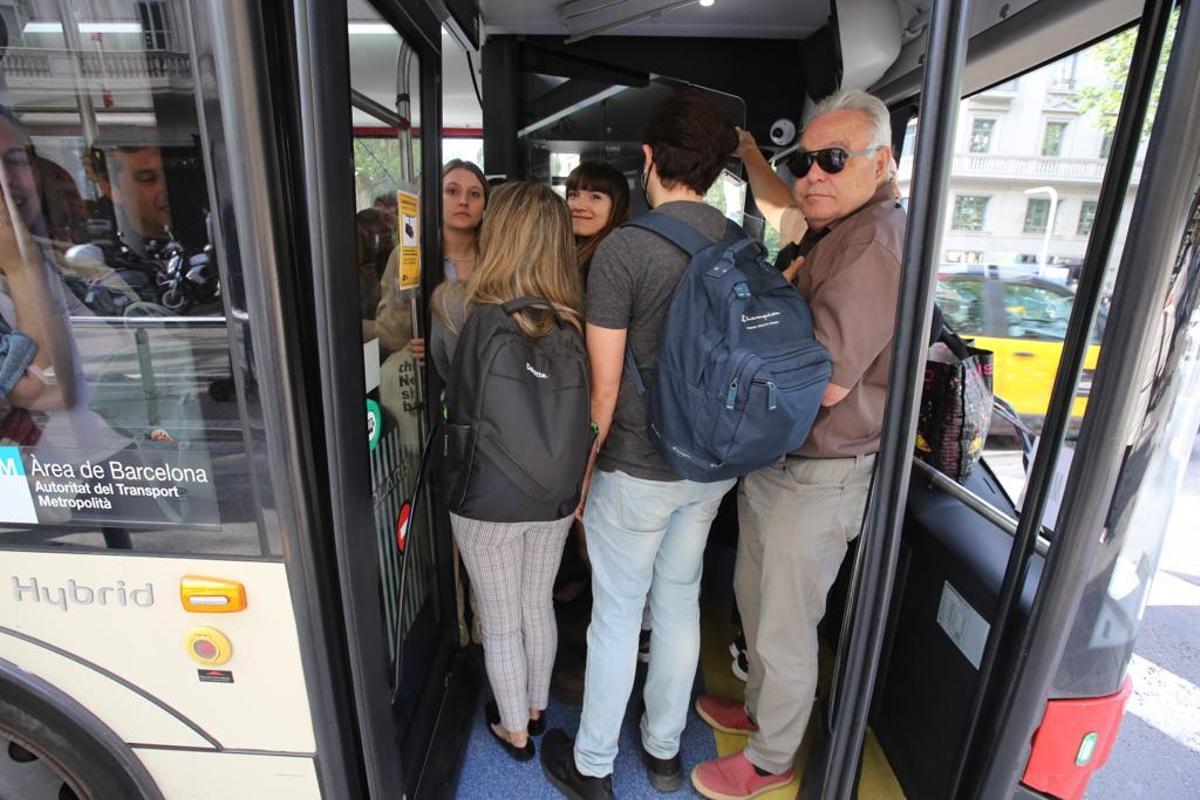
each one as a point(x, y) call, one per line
point(1028, 164)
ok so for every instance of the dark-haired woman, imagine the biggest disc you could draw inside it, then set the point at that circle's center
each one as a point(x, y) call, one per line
point(598, 196)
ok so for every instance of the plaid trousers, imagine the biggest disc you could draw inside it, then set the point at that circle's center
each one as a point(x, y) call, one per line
point(512, 566)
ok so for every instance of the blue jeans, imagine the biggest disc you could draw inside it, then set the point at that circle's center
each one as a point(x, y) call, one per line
point(643, 537)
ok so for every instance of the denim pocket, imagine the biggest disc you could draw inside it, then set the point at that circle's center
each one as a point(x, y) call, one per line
point(643, 506)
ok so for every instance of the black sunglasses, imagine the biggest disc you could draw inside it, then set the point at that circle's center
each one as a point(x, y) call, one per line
point(831, 160)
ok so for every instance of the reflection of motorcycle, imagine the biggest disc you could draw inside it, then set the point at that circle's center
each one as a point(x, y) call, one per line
point(186, 280)
point(111, 283)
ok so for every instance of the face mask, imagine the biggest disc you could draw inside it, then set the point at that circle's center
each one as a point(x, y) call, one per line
point(645, 182)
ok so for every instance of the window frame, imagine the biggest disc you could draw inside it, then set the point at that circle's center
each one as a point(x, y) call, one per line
point(1064, 126)
point(991, 134)
point(983, 212)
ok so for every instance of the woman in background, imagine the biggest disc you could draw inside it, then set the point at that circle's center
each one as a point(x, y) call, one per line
point(598, 196)
point(464, 199)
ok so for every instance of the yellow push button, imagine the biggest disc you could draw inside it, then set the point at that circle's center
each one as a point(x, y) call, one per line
point(211, 595)
point(208, 646)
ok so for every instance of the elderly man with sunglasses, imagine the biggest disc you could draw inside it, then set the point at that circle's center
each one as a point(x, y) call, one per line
point(797, 517)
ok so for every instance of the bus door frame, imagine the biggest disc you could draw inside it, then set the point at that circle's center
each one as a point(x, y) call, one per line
point(1169, 187)
point(394, 741)
point(985, 720)
point(244, 62)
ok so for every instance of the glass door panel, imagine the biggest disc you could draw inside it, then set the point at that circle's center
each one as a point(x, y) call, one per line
point(385, 98)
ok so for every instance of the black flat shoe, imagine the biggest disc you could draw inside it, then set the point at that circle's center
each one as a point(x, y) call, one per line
point(537, 726)
point(558, 765)
point(525, 753)
point(665, 774)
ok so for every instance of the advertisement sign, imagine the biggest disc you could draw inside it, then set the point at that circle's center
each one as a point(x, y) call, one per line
point(138, 486)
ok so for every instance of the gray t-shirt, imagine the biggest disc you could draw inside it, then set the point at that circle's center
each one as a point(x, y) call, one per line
point(632, 279)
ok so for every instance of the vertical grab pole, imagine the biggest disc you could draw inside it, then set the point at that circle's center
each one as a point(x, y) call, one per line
point(1138, 88)
point(940, 92)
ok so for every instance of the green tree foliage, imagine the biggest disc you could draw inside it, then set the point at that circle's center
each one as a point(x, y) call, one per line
point(1103, 102)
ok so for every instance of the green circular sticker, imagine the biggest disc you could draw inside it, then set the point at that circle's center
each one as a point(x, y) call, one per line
point(374, 423)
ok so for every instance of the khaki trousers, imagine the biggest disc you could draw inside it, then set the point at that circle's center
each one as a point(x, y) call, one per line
point(795, 520)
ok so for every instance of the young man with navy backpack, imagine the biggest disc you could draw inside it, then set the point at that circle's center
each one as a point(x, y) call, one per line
point(646, 527)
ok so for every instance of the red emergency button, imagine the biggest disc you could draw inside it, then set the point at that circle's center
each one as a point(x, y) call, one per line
point(205, 649)
point(208, 646)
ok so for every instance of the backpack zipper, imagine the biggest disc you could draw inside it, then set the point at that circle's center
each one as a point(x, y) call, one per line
point(772, 394)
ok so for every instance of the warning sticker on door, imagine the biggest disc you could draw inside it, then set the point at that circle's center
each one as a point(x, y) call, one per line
point(409, 209)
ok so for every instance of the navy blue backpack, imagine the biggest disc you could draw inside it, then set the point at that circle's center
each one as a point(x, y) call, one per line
point(740, 376)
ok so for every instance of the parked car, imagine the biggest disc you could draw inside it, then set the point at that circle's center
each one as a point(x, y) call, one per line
point(1022, 319)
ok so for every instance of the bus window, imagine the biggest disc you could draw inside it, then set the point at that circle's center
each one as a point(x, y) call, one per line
point(1022, 199)
point(131, 430)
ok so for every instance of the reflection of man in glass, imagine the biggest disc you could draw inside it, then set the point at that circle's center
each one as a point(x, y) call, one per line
point(134, 180)
point(36, 369)
point(79, 427)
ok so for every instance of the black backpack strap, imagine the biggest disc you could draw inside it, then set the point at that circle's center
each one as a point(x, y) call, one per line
point(786, 256)
point(673, 230)
point(522, 303)
point(529, 302)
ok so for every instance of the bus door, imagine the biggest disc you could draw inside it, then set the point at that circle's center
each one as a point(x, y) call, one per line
point(369, 119)
point(165, 619)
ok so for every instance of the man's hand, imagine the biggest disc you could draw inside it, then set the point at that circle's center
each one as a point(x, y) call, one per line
point(746, 145)
point(793, 270)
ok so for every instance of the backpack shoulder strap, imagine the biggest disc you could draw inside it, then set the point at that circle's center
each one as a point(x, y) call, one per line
point(673, 230)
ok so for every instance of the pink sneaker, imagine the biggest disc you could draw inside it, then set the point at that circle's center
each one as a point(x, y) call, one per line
point(728, 716)
point(734, 778)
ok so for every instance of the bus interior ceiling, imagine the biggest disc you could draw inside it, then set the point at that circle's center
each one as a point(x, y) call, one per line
point(589, 92)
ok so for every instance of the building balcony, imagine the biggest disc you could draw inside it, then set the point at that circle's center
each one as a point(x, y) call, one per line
point(31, 67)
point(1035, 169)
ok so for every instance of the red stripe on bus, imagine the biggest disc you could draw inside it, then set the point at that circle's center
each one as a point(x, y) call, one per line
point(1052, 767)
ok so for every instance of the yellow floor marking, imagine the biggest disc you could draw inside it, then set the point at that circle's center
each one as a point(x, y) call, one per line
point(878, 782)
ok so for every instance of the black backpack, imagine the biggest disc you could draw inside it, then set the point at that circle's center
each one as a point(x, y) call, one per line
point(515, 433)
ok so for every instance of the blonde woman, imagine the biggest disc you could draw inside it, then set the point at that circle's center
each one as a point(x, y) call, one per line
point(527, 249)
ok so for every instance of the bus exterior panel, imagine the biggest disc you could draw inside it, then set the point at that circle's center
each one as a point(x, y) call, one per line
point(195, 775)
point(112, 632)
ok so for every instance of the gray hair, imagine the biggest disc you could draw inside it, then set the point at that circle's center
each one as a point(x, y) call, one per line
point(869, 104)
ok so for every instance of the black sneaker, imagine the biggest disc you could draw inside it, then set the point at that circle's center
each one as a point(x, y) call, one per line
point(665, 774)
point(558, 765)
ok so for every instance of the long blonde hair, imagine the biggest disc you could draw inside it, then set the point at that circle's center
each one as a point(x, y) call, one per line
point(528, 249)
